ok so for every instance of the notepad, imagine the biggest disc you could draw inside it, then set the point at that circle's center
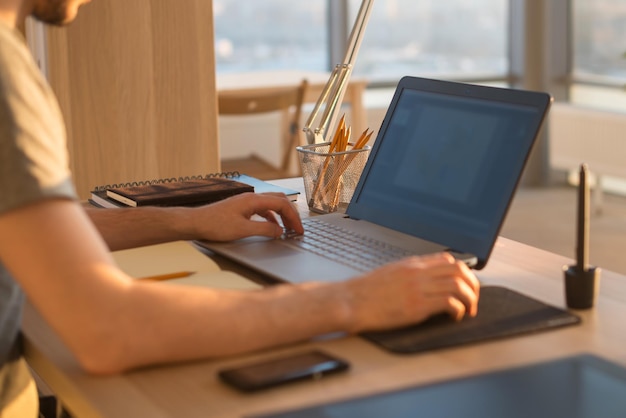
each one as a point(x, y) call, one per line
point(155, 260)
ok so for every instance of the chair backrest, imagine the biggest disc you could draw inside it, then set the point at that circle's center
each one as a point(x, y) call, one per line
point(287, 100)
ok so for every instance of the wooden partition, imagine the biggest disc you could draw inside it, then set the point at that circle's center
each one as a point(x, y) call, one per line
point(136, 83)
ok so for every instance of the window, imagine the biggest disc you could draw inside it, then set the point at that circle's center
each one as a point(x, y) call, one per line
point(463, 39)
point(258, 35)
point(600, 40)
point(599, 46)
point(456, 39)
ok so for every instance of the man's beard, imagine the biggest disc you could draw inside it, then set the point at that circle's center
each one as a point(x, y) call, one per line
point(53, 12)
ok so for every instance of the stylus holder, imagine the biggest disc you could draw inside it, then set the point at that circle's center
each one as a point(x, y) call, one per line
point(330, 178)
point(581, 286)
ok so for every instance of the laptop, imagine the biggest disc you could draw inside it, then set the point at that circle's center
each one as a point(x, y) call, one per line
point(440, 177)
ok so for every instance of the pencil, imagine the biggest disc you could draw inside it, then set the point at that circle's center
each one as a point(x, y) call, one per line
point(345, 163)
point(346, 139)
point(339, 133)
point(168, 276)
point(359, 141)
point(334, 186)
point(363, 140)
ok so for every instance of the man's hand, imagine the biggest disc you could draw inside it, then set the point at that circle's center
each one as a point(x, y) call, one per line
point(411, 290)
point(237, 217)
point(233, 218)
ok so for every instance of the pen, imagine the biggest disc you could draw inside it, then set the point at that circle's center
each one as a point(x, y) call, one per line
point(168, 276)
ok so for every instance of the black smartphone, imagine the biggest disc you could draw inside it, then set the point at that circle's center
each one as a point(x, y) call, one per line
point(268, 373)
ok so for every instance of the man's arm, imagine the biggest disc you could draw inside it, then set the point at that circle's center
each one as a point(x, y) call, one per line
point(229, 219)
point(134, 227)
point(112, 323)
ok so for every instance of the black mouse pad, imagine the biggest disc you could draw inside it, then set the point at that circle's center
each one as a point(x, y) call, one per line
point(501, 313)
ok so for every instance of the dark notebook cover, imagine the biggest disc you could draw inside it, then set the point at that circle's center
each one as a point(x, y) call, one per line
point(179, 193)
point(501, 313)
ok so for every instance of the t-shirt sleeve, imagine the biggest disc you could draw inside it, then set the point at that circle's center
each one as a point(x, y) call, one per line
point(33, 149)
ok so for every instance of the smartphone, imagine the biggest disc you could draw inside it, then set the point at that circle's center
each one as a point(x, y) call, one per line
point(308, 365)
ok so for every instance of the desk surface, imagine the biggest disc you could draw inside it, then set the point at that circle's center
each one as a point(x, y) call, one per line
point(193, 390)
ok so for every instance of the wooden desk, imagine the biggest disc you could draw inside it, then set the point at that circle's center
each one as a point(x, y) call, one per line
point(261, 81)
point(192, 389)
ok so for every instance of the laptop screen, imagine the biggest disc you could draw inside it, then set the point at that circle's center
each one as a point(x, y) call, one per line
point(447, 160)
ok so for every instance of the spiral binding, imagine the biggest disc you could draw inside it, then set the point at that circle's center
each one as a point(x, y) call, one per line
point(226, 174)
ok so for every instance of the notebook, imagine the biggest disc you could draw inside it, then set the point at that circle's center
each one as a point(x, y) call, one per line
point(582, 386)
point(179, 193)
point(440, 177)
point(100, 198)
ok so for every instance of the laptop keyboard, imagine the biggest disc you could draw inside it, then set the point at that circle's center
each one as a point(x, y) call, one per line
point(346, 247)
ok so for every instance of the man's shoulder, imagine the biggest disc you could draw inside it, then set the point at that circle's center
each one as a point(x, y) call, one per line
point(15, 57)
point(12, 43)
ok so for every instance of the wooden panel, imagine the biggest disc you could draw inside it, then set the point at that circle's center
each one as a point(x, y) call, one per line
point(136, 82)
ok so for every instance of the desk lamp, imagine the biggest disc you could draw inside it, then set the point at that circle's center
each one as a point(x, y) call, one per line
point(332, 95)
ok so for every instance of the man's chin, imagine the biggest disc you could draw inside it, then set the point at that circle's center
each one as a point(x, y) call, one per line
point(59, 19)
point(53, 22)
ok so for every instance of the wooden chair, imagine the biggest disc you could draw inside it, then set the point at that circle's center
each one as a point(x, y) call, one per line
point(286, 101)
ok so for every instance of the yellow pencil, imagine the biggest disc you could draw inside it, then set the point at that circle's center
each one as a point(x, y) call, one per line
point(345, 139)
point(363, 140)
point(344, 164)
point(337, 138)
point(338, 134)
point(168, 276)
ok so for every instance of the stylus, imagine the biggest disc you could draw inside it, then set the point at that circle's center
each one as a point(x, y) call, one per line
point(582, 238)
point(581, 279)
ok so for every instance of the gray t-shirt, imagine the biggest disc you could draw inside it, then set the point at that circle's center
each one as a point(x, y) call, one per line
point(33, 160)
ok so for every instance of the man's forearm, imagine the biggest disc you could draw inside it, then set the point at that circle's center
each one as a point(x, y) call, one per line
point(127, 228)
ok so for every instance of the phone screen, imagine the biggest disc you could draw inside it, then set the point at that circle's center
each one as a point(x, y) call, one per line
point(273, 372)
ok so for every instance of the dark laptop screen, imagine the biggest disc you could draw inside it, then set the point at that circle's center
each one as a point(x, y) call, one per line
point(446, 163)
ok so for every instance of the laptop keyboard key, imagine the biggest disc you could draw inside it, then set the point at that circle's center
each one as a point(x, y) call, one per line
point(332, 242)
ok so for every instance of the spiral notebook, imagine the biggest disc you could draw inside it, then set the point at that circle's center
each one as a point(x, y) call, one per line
point(100, 198)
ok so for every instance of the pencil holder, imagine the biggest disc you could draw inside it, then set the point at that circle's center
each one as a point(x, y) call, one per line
point(330, 178)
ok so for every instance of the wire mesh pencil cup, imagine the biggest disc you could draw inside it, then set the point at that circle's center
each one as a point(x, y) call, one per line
point(330, 178)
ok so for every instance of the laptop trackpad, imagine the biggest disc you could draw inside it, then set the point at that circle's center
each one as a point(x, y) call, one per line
point(291, 264)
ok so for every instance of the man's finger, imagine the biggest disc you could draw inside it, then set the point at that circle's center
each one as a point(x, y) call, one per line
point(278, 203)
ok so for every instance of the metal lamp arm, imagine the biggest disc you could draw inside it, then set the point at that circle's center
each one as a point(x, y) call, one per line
point(332, 95)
